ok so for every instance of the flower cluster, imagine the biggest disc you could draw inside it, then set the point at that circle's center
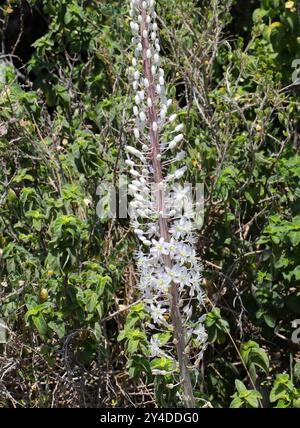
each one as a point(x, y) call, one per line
point(167, 261)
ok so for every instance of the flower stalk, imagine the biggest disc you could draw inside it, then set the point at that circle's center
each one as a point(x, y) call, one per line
point(169, 271)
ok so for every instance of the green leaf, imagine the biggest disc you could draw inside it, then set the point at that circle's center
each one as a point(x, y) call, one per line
point(91, 301)
point(58, 328)
point(236, 403)
point(252, 399)
point(40, 323)
point(253, 356)
point(240, 386)
point(283, 388)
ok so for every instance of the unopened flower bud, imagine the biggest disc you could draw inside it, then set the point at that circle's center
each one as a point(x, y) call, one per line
point(178, 138)
point(156, 58)
point(129, 162)
point(172, 145)
point(142, 116)
point(179, 128)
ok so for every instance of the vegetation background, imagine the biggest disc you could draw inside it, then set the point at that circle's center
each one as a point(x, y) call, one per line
point(67, 277)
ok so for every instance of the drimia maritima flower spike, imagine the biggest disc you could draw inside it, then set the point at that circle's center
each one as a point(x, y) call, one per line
point(169, 272)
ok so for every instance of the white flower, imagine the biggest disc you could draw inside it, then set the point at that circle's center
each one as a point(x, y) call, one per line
point(176, 273)
point(159, 248)
point(154, 347)
point(200, 333)
point(184, 253)
point(181, 228)
point(195, 277)
point(173, 247)
point(157, 314)
point(163, 282)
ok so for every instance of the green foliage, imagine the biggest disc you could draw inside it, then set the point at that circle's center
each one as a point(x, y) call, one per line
point(136, 340)
point(67, 277)
point(284, 393)
point(277, 23)
point(244, 397)
point(254, 357)
point(217, 327)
